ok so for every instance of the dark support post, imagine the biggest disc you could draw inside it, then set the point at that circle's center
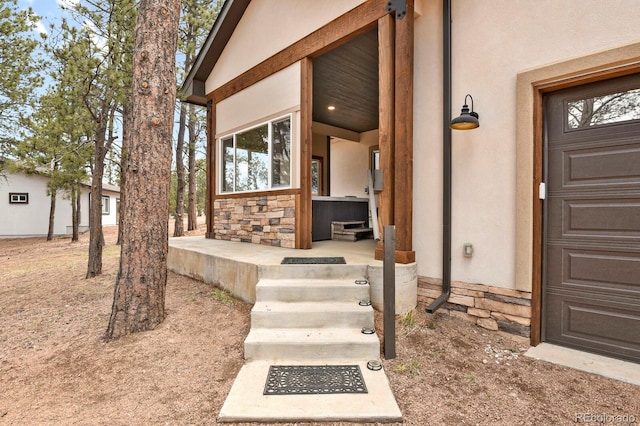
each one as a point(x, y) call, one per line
point(389, 291)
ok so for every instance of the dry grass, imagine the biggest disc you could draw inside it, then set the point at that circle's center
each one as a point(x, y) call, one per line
point(55, 368)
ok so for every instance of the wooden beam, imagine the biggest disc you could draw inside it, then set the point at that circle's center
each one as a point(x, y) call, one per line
point(403, 209)
point(211, 166)
point(386, 134)
point(303, 204)
point(342, 29)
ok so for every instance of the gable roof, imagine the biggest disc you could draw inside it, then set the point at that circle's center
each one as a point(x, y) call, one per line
point(226, 22)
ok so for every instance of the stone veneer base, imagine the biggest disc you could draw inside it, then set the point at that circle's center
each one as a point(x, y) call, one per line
point(267, 219)
point(493, 308)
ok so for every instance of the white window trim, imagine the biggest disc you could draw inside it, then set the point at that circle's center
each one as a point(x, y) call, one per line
point(220, 151)
point(18, 198)
point(105, 205)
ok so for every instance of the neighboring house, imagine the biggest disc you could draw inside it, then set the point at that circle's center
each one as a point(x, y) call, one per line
point(538, 209)
point(25, 206)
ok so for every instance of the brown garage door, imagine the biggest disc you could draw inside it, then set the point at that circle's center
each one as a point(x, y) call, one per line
point(591, 259)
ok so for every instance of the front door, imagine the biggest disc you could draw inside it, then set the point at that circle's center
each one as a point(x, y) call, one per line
point(591, 266)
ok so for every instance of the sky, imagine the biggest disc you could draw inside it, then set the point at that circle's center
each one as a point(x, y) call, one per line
point(49, 10)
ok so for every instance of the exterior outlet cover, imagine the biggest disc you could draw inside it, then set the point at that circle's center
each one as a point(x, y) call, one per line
point(468, 250)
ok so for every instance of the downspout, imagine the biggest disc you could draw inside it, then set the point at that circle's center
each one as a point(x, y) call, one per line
point(446, 160)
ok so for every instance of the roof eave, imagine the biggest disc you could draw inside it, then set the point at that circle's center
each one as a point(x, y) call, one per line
point(193, 86)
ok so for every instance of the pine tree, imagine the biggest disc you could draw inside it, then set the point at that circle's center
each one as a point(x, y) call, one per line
point(106, 89)
point(138, 302)
point(19, 69)
point(197, 18)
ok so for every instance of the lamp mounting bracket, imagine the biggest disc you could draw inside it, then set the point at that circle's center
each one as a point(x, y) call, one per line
point(400, 6)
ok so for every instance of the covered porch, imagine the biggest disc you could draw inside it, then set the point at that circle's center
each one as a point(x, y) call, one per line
point(237, 267)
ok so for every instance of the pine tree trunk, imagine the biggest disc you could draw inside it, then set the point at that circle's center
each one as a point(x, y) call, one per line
point(52, 215)
point(96, 238)
point(192, 222)
point(75, 213)
point(178, 230)
point(138, 302)
point(126, 130)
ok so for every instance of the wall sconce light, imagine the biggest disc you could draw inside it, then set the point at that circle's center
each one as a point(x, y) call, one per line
point(467, 120)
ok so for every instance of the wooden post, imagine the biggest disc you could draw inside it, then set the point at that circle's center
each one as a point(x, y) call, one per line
point(403, 203)
point(303, 204)
point(211, 166)
point(386, 135)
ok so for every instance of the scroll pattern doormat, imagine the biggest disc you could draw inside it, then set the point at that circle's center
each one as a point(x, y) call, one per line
point(314, 379)
point(313, 261)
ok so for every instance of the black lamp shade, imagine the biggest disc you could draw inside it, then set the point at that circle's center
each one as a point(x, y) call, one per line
point(467, 120)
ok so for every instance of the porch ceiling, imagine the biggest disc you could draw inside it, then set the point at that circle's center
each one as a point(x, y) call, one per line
point(347, 78)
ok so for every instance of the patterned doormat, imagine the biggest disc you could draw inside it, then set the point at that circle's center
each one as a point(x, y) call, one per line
point(314, 379)
point(313, 261)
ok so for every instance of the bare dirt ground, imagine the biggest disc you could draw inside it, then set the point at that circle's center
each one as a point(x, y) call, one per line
point(56, 369)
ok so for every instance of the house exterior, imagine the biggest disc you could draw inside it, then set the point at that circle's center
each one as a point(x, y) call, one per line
point(25, 206)
point(529, 223)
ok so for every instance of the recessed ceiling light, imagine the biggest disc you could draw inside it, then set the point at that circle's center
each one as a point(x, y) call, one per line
point(331, 107)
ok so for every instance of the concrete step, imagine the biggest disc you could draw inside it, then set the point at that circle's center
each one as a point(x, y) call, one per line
point(310, 344)
point(310, 290)
point(272, 314)
point(246, 402)
point(329, 272)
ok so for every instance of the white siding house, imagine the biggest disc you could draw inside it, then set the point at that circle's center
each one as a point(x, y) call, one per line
point(25, 206)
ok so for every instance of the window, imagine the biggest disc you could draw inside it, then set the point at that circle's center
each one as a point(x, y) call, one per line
point(257, 159)
point(105, 204)
point(316, 175)
point(19, 198)
point(605, 109)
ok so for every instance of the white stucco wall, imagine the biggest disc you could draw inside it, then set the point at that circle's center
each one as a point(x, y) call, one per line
point(349, 165)
point(275, 94)
point(269, 26)
point(493, 41)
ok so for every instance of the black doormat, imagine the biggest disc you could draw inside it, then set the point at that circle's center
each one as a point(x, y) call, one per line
point(313, 261)
point(314, 379)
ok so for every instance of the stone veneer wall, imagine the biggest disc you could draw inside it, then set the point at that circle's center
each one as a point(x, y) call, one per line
point(493, 308)
point(268, 220)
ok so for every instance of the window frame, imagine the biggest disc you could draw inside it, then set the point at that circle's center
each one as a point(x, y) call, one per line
point(232, 136)
point(18, 198)
point(105, 207)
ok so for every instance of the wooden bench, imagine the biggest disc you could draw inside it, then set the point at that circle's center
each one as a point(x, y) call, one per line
point(350, 231)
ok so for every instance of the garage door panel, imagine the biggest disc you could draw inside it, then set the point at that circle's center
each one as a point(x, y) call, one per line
point(591, 269)
point(604, 271)
point(594, 324)
point(595, 217)
point(616, 164)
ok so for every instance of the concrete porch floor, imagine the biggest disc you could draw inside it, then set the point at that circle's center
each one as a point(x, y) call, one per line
point(358, 252)
point(238, 267)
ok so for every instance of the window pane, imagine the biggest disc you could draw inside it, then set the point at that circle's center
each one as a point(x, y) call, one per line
point(281, 154)
point(227, 165)
point(252, 159)
point(315, 177)
point(105, 205)
point(606, 109)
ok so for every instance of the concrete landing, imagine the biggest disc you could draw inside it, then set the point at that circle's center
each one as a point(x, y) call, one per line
point(246, 403)
point(612, 368)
